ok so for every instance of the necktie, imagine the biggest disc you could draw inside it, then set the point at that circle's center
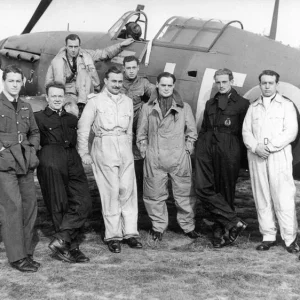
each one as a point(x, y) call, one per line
point(74, 67)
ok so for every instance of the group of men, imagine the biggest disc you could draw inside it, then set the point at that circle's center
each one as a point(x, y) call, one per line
point(135, 121)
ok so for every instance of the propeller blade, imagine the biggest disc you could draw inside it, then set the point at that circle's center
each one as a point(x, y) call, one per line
point(273, 29)
point(37, 14)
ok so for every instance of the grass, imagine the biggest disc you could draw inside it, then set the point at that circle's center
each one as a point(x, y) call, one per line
point(177, 268)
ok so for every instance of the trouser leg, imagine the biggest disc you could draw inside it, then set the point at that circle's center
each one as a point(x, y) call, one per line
point(155, 196)
point(29, 202)
point(184, 196)
point(79, 201)
point(205, 187)
point(283, 193)
point(128, 192)
point(106, 171)
point(17, 221)
point(258, 168)
point(53, 181)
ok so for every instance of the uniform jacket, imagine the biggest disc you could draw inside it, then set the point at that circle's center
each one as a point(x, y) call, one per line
point(19, 135)
point(170, 136)
point(277, 126)
point(106, 116)
point(220, 122)
point(59, 69)
point(54, 129)
point(137, 89)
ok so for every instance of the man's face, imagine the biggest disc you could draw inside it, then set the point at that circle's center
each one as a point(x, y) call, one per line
point(131, 69)
point(268, 85)
point(56, 98)
point(73, 47)
point(223, 83)
point(13, 84)
point(165, 86)
point(114, 82)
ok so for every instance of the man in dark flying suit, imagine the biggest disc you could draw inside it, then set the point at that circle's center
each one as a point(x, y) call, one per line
point(218, 156)
point(61, 176)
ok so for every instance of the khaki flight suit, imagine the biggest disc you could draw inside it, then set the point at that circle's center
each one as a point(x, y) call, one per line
point(272, 179)
point(170, 141)
point(86, 80)
point(110, 117)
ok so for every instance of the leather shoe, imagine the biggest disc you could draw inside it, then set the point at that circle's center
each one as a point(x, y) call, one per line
point(114, 246)
point(218, 242)
point(61, 250)
point(33, 262)
point(133, 243)
point(156, 235)
point(236, 231)
point(193, 234)
point(266, 245)
point(293, 247)
point(24, 265)
point(79, 256)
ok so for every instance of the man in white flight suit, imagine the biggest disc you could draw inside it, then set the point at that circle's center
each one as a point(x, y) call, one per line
point(268, 130)
point(110, 115)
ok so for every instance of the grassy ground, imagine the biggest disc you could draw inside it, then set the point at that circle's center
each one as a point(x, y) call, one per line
point(176, 268)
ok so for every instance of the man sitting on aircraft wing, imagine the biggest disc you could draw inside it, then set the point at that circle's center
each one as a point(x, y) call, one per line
point(74, 67)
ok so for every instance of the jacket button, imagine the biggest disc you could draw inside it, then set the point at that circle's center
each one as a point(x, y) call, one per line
point(2, 116)
point(18, 122)
point(50, 128)
point(18, 131)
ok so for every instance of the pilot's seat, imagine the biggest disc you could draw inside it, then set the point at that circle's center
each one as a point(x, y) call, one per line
point(131, 30)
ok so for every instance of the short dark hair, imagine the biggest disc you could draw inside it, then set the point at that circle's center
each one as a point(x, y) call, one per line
point(114, 70)
point(129, 59)
point(12, 69)
point(269, 73)
point(54, 84)
point(73, 37)
point(224, 71)
point(166, 74)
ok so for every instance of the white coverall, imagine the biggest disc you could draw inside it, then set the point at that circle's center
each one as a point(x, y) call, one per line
point(110, 117)
point(272, 179)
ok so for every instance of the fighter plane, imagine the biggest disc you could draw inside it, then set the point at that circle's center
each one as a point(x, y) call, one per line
point(191, 48)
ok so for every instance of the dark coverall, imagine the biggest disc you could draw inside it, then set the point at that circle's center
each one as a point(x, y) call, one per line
point(19, 135)
point(218, 157)
point(61, 175)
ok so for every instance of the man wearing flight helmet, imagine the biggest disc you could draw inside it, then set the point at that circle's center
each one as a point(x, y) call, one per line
point(132, 30)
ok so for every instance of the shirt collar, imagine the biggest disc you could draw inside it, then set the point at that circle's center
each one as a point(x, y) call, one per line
point(112, 96)
point(260, 99)
point(9, 97)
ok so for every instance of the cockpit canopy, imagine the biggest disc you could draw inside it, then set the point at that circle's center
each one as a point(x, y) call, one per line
point(192, 33)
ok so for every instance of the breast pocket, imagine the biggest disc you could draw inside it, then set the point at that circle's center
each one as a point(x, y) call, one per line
point(277, 120)
point(229, 118)
point(5, 121)
point(124, 119)
point(107, 119)
point(24, 122)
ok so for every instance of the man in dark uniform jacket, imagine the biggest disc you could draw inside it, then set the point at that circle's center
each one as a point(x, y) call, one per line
point(61, 176)
point(218, 157)
point(19, 140)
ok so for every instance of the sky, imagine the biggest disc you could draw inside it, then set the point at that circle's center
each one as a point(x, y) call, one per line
point(100, 15)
